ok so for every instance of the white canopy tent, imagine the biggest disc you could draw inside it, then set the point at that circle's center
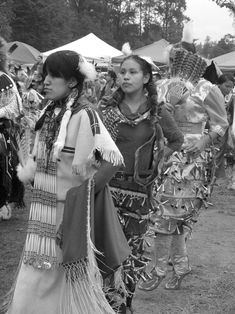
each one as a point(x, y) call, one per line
point(226, 62)
point(155, 51)
point(91, 47)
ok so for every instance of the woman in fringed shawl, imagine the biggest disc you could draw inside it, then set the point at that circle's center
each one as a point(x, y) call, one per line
point(11, 189)
point(189, 178)
point(131, 116)
point(58, 273)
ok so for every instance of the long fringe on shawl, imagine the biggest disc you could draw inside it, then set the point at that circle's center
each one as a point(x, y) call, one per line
point(82, 291)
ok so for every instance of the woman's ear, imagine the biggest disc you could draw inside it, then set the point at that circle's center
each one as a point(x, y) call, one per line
point(146, 78)
point(72, 82)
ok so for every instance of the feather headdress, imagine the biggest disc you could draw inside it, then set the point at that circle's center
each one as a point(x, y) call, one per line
point(184, 63)
point(186, 67)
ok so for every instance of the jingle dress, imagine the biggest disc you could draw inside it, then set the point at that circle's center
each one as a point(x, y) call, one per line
point(140, 141)
point(58, 272)
point(188, 181)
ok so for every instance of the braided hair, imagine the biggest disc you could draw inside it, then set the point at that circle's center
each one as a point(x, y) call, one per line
point(62, 64)
point(118, 95)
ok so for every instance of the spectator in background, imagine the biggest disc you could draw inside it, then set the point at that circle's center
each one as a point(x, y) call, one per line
point(90, 91)
point(31, 100)
point(156, 77)
point(11, 189)
point(226, 85)
point(110, 85)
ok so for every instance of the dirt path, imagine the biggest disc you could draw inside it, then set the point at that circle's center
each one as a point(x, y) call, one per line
point(210, 289)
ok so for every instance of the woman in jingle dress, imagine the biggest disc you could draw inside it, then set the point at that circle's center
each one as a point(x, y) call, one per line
point(131, 117)
point(188, 180)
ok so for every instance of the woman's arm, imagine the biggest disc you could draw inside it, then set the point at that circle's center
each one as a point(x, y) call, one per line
point(171, 132)
point(217, 119)
point(214, 104)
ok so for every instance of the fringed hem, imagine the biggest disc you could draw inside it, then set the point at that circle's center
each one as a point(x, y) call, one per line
point(93, 163)
point(112, 156)
point(82, 288)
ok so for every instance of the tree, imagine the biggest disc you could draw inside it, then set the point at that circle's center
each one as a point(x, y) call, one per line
point(6, 17)
point(170, 15)
point(211, 49)
point(229, 4)
point(44, 24)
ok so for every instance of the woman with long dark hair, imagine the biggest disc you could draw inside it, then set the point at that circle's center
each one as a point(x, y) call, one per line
point(72, 159)
point(135, 120)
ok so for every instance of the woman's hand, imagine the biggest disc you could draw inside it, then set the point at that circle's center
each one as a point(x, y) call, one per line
point(197, 147)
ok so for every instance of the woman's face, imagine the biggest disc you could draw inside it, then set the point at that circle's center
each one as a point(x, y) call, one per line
point(226, 87)
point(132, 78)
point(56, 88)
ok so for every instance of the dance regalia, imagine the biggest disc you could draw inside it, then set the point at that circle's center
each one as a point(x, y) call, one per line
point(140, 140)
point(58, 272)
point(10, 110)
point(31, 103)
point(187, 181)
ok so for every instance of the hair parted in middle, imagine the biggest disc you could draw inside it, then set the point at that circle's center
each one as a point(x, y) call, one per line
point(146, 68)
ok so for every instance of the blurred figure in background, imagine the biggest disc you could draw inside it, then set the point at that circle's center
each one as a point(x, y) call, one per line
point(226, 85)
point(31, 101)
point(11, 189)
point(90, 91)
point(110, 85)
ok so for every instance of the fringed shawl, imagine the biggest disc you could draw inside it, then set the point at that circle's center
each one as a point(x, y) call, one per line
point(82, 291)
point(93, 145)
point(89, 219)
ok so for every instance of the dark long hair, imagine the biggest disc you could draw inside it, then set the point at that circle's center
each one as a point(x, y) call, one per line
point(64, 64)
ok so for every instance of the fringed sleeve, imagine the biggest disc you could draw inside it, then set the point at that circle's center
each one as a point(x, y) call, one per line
point(93, 144)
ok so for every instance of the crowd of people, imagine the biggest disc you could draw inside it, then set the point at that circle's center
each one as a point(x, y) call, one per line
point(111, 159)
